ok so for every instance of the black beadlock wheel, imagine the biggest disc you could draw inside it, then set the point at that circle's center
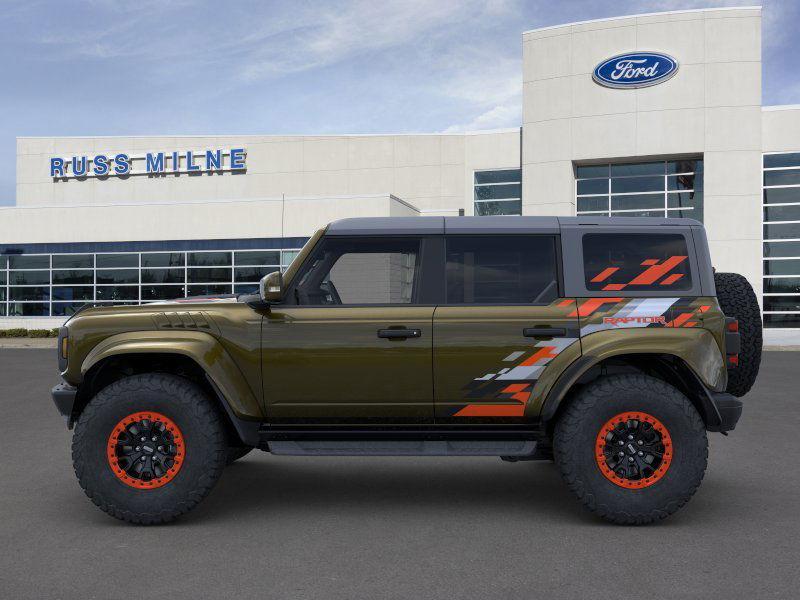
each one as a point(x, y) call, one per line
point(738, 300)
point(148, 448)
point(632, 448)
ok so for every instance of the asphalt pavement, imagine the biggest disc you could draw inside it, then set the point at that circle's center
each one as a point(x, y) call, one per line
point(299, 527)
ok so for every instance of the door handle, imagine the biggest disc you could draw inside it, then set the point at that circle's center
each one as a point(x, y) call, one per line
point(399, 334)
point(544, 332)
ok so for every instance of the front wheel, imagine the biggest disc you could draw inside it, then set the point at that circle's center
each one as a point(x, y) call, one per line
point(632, 448)
point(149, 448)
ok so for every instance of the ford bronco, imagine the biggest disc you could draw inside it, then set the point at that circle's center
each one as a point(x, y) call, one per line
point(608, 345)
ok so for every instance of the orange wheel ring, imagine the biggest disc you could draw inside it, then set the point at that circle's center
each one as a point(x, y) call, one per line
point(145, 450)
point(633, 450)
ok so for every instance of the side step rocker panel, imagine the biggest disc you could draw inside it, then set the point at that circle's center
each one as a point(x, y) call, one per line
point(515, 448)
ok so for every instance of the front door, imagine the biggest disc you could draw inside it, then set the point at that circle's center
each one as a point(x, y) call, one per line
point(353, 341)
point(502, 326)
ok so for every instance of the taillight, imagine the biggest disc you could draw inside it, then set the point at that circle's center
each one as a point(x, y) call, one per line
point(733, 360)
point(732, 326)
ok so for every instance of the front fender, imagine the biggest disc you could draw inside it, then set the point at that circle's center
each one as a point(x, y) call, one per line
point(694, 346)
point(202, 348)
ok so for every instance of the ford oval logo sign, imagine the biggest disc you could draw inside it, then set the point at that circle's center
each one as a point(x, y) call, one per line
point(635, 70)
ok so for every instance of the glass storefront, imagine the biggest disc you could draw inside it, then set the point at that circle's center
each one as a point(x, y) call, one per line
point(41, 285)
point(782, 240)
point(664, 188)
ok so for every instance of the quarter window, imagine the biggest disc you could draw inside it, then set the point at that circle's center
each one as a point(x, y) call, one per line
point(615, 262)
point(360, 271)
point(501, 270)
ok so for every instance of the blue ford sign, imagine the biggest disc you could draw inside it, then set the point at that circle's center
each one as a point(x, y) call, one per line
point(635, 70)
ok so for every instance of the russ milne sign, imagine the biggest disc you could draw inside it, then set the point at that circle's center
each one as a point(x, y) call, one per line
point(151, 163)
point(635, 70)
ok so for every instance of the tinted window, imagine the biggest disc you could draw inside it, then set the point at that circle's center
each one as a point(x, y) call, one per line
point(501, 269)
point(360, 271)
point(636, 262)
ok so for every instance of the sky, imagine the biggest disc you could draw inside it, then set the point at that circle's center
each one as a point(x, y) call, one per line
point(161, 67)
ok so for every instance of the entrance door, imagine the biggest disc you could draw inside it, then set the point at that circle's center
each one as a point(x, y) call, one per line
point(501, 327)
point(353, 343)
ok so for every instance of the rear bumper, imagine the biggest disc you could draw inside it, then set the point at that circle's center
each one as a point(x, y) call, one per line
point(64, 399)
point(729, 409)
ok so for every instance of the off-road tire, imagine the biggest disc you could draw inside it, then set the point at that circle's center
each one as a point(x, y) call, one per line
point(203, 435)
point(575, 439)
point(737, 299)
point(236, 452)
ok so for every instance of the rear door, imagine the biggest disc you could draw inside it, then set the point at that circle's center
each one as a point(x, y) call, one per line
point(502, 325)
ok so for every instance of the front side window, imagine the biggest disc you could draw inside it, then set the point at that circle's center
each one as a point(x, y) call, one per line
point(360, 271)
point(636, 262)
point(501, 269)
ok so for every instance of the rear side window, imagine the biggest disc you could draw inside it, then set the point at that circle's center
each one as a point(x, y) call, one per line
point(636, 262)
point(501, 270)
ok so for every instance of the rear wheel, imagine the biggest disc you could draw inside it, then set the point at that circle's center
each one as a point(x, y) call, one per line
point(737, 299)
point(632, 448)
point(149, 448)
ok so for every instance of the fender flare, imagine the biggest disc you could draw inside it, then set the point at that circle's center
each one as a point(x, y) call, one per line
point(202, 348)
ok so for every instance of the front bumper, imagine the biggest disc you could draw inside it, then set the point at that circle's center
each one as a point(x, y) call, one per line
point(64, 399)
point(729, 409)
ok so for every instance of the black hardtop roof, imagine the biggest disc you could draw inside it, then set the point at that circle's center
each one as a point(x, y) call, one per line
point(498, 224)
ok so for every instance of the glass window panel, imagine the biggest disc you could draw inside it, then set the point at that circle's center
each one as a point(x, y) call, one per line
point(791, 159)
point(209, 259)
point(3, 262)
point(76, 276)
point(251, 273)
point(592, 186)
point(209, 275)
point(162, 292)
point(782, 285)
point(649, 168)
point(782, 267)
point(778, 249)
point(781, 195)
point(589, 171)
point(498, 176)
point(28, 309)
point(498, 192)
point(208, 290)
point(288, 257)
point(64, 309)
point(501, 270)
point(592, 203)
point(637, 201)
point(2, 277)
point(21, 261)
point(258, 257)
point(163, 275)
point(637, 184)
point(782, 231)
point(789, 177)
point(73, 292)
point(29, 293)
point(29, 277)
point(2, 294)
point(163, 259)
point(611, 260)
point(684, 182)
point(73, 261)
point(684, 199)
point(498, 207)
point(639, 213)
point(791, 303)
point(105, 261)
point(245, 288)
point(782, 213)
point(118, 276)
point(117, 292)
point(684, 166)
point(686, 213)
point(782, 320)
point(2, 310)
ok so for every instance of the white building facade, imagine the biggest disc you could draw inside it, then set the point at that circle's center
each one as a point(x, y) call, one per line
point(134, 219)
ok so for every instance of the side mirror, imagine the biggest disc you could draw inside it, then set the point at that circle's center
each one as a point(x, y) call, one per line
point(270, 288)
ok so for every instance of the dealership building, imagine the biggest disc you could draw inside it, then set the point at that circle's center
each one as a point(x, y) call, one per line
point(647, 115)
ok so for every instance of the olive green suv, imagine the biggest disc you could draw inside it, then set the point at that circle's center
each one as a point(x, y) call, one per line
point(607, 345)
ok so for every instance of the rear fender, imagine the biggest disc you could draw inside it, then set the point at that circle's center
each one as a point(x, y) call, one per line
point(202, 348)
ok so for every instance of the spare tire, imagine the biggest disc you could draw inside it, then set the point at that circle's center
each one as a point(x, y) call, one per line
point(738, 300)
